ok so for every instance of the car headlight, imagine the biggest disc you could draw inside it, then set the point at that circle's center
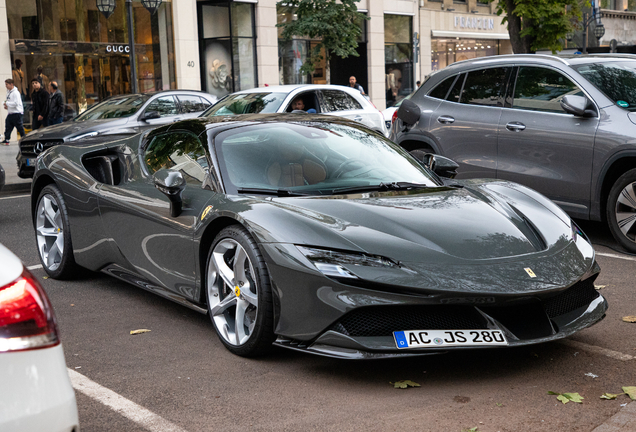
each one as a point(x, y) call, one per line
point(331, 263)
point(84, 135)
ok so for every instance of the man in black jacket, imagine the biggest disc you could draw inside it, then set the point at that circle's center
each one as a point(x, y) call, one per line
point(39, 105)
point(56, 105)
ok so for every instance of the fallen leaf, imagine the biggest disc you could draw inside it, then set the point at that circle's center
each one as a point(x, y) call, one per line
point(610, 396)
point(140, 331)
point(473, 429)
point(567, 397)
point(630, 391)
point(498, 404)
point(563, 399)
point(405, 384)
point(45, 277)
point(630, 318)
point(598, 287)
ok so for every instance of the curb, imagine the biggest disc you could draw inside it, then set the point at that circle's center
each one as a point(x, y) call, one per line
point(15, 187)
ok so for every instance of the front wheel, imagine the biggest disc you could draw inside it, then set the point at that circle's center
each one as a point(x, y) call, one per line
point(239, 293)
point(621, 210)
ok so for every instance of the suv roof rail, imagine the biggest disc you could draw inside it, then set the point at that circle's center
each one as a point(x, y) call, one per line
point(502, 56)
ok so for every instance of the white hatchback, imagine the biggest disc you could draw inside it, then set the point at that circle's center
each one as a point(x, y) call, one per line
point(36, 391)
point(335, 100)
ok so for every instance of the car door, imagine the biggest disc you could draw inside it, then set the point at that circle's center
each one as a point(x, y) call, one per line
point(465, 123)
point(542, 146)
point(136, 215)
point(167, 109)
point(191, 105)
point(341, 104)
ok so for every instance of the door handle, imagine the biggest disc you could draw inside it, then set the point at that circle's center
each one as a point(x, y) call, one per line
point(176, 119)
point(515, 126)
point(445, 119)
point(358, 118)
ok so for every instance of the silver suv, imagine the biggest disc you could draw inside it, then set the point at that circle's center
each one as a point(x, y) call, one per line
point(565, 126)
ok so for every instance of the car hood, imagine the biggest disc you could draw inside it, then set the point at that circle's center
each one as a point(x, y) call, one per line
point(70, 129)
point(467, 231)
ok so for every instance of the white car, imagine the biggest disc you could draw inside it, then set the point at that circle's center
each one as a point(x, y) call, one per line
point(36, 390)
point(389, 114)
point(335, 100)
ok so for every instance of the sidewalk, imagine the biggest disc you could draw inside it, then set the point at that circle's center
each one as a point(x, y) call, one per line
point(13, 183)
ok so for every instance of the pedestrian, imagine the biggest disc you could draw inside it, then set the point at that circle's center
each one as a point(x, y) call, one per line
point(13, 105)
point(418, 84)
point(44, 80)
point(39, 105)
point(18, 79)
point(56, 105)
point(355, 85)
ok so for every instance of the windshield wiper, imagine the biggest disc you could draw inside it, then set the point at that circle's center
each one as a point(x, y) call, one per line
point(275, 192)
point(381, 187)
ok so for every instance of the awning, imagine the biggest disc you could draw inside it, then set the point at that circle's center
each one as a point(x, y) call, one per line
point(469, 35)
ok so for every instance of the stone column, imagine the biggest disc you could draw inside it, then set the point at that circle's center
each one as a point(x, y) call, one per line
point(186, 44)
point(375, 54)
point(5, 62)
point(267, 43)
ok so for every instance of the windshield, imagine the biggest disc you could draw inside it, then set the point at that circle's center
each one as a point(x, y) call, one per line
point(252, 103)
point(616, 79)
point(118, 107)
point(314, 158)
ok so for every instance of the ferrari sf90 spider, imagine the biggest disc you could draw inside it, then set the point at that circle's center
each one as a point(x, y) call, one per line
point(316, 234)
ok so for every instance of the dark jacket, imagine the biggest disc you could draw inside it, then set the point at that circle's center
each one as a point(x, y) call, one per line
point(56, 105)
point(40, 101)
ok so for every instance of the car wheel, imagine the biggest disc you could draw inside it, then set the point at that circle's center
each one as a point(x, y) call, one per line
point(239, 293)
point(621, 210)
point(53, 234)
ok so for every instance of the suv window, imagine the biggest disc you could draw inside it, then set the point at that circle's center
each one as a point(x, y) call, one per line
point(339, 101)
point(179, 150)
point(190, 103)
point(164, 105)
point(453, 95)
point(541, 89)
point(484, 87)
point(442, 88)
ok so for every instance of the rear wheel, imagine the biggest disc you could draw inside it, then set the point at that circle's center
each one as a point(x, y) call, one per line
point(239, 293)
point(621, 210)
point(53, 234)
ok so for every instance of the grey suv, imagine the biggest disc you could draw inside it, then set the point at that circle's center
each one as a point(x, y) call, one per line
point(565, 126)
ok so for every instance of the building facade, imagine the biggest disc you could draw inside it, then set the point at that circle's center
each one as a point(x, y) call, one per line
point(222, 46)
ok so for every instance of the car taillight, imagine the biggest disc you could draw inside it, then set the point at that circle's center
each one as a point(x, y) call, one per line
point(27, 320)
point(394, 117)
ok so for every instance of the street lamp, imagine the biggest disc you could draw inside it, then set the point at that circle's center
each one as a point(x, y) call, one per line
point(107, 7)
point(599, 30)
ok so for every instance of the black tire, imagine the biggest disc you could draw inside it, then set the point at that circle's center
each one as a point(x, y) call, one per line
point(261, 336)
point(65, 267)
point(621, 210)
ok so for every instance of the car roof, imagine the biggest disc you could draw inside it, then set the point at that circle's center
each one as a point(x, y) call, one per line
point(564, 59)
point(291, 87)
point(167, 92)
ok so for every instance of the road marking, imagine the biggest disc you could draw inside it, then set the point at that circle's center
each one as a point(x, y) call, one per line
point(597, 350)
point(17, 196)
point(34, 267)
point(610, 255)
point(140, 415)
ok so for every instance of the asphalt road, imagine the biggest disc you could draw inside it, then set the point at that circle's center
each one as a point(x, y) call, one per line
point(180, 371)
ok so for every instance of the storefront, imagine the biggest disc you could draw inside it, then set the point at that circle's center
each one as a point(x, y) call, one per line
point(398, 57)
point(227, 46)
point(72, 43)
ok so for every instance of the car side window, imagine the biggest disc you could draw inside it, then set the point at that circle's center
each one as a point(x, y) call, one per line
point(484, 87)
point(164, 105)
point(179, 150)
point(339, 101)
point(453, 94)
point(541, 89)
point(191, 104)
point(442, 88)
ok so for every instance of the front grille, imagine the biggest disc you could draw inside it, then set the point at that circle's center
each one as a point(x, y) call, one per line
point(28, 148)
point(581, 294)
point(384, 320)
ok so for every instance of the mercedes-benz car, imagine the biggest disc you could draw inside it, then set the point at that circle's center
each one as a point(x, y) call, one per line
point(317, 234)
point(119, 114)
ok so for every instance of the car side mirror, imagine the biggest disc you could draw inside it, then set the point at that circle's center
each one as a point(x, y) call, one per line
point(440, 165)
point(409, 112)
point(149, 115)
point(578, 105)
point(171, 183)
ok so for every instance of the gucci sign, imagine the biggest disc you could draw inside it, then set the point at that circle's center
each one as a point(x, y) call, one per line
point(118, 48)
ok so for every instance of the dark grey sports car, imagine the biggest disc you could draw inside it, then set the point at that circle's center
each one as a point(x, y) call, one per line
point(316, 234)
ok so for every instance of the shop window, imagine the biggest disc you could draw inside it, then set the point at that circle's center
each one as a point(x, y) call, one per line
point(398, 57)
point(447, 51)
point(540, 89)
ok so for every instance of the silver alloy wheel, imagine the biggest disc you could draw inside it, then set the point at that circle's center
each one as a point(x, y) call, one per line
point(625, 211)
point(50, 232)
point(232, 292)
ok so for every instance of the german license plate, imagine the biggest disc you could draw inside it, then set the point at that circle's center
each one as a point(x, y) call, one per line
point(446, 338)
point(30, 162)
